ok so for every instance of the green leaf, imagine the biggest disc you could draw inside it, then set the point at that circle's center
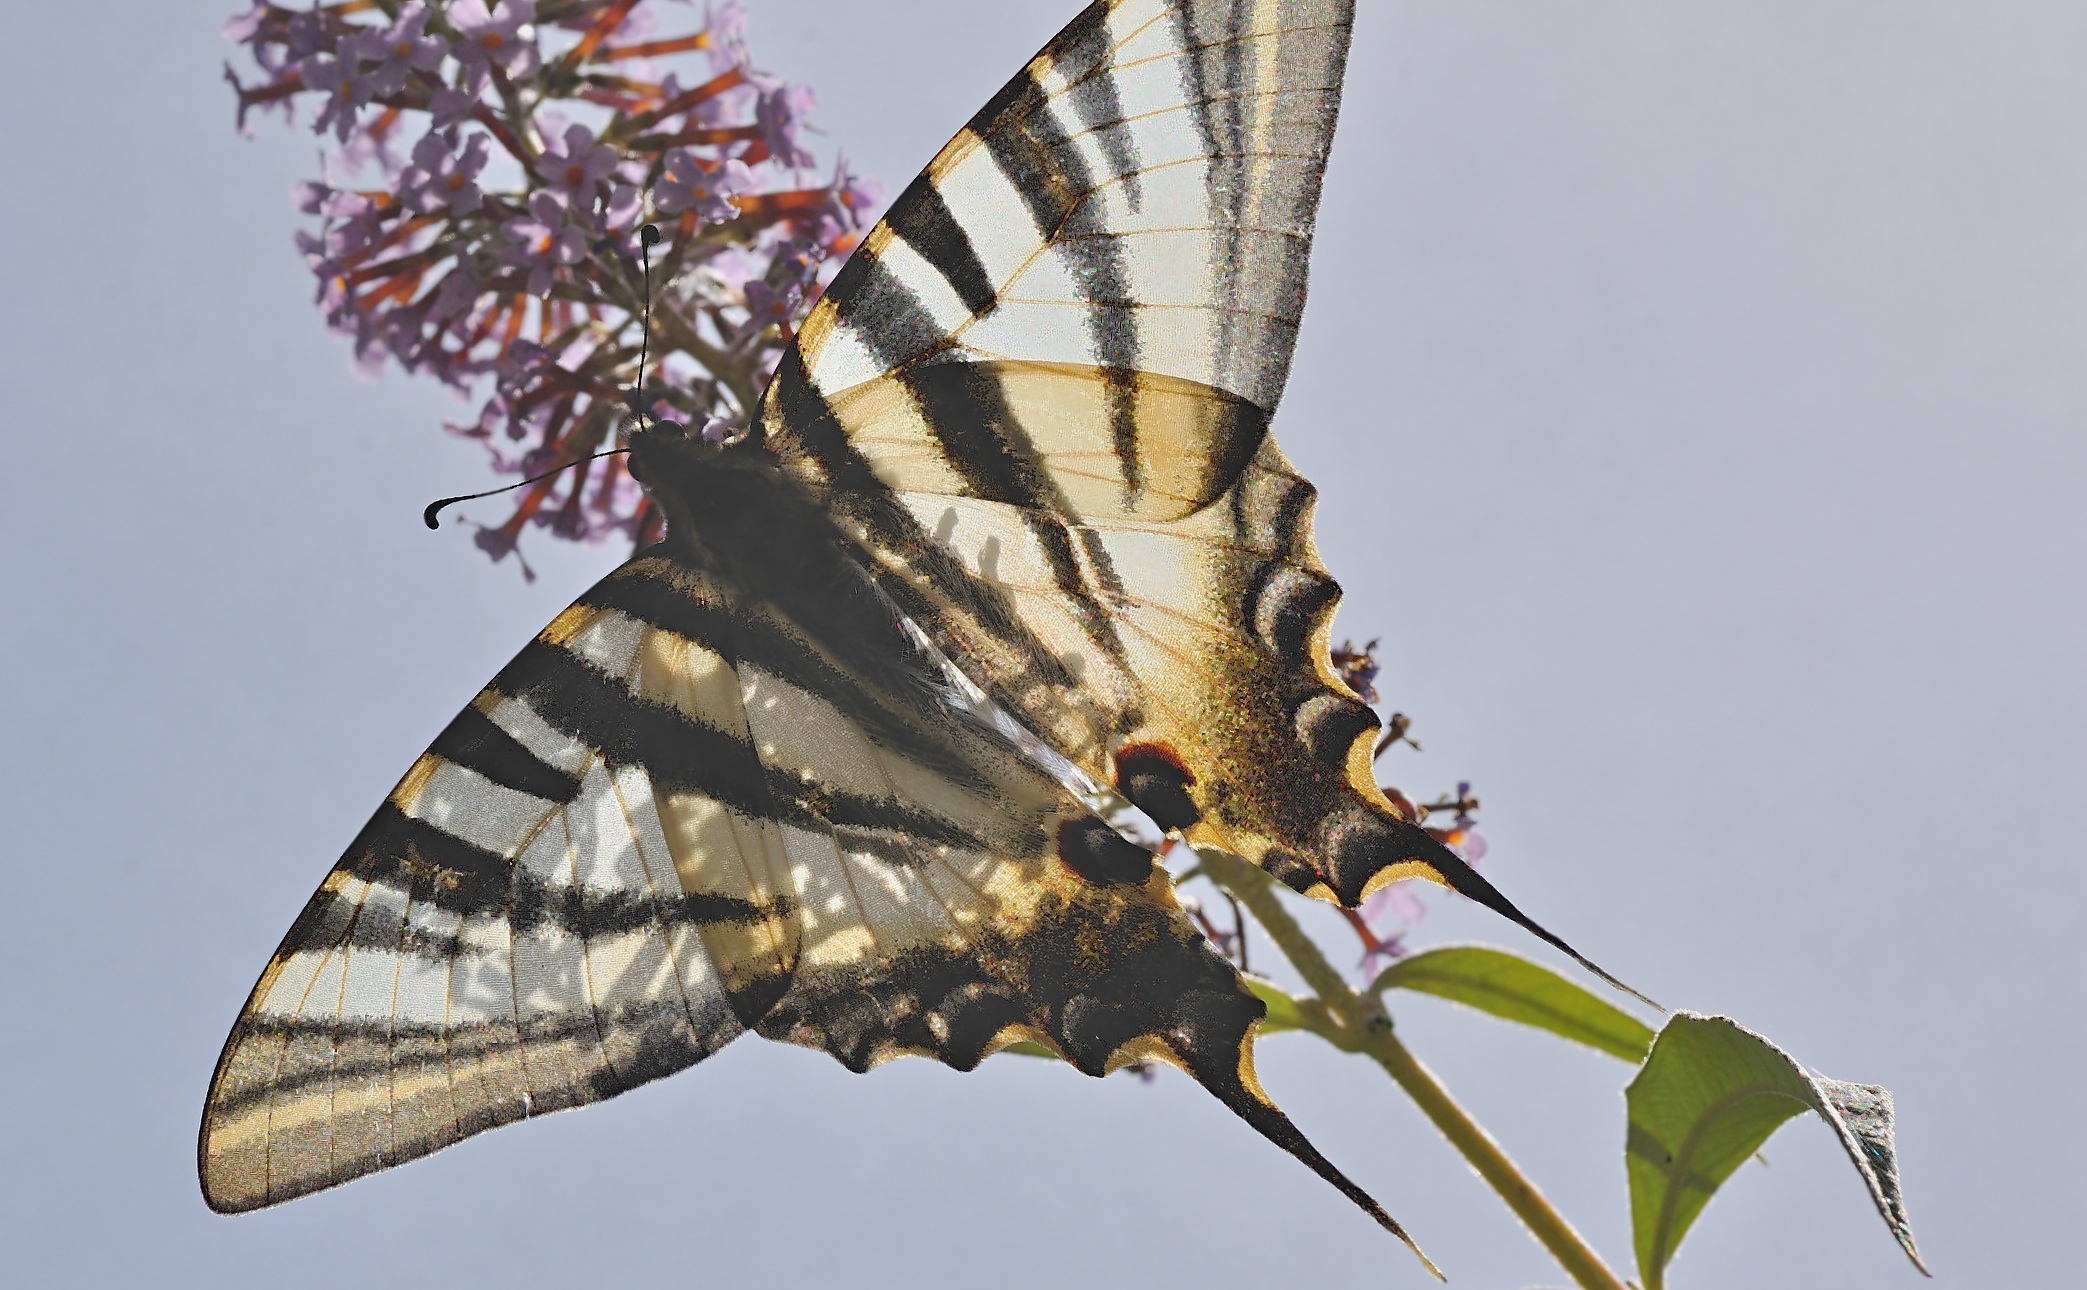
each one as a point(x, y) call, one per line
point(1029, 1048)
point(1709, 1095)
point(1515, 989)
point(1282, 1009)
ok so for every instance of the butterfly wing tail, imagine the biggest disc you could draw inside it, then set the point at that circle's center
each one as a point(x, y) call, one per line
point(1461, 878)
point(1214, 1041)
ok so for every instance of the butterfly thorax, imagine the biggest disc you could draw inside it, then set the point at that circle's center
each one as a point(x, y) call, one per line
point(748, 538)
point(733, 514)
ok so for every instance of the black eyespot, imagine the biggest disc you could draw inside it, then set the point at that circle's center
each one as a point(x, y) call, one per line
point(1359, 844)
point(1101, 855)
point(1153, 777)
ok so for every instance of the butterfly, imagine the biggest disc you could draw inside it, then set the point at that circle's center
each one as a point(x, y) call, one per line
point(1009, 531)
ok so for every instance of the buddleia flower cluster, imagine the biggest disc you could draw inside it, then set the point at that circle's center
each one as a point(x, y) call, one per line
point(489, 169)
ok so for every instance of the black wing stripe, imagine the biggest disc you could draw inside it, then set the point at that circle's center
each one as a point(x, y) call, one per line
point(364, 1038)
point(680, 754)
point(1034, 153)
point(1094, 98)
point(854, 489)
point(884, 314)
point(863, 697)
point(474, 742)
point(982, 437)
point(398, 851)
point(924, 221)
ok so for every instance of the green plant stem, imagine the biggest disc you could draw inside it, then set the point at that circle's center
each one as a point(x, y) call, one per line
point(1357, 1023)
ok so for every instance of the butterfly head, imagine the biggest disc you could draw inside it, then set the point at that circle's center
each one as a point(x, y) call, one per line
point(660, 448)
point(715, 486)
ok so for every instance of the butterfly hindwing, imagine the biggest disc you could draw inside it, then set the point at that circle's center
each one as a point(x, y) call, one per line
point(1040, 393)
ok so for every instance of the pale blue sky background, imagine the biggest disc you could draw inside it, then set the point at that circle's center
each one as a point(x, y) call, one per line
point(1697, 393)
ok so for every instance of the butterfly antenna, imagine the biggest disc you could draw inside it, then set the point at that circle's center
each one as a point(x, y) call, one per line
point(434, 508)
point(648, 237)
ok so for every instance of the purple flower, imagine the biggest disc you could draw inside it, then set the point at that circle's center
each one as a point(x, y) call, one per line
point(725, 28)
point(1462, 835)
point(240, 27)
point(1381, 944)
point(719, 108)
point(686, 182)
point(1398, 902)
point(456, 295)
point(781, 112)
point(1358, 669)
point(353, 222)
point(625, 204)
point(346, 92)
point(543, 242)
point(567, 521)
point(361, 149)
point(447, 107)
point(332, 291)
point(849, 205)
point(442, 178)
point(856, 195)
point(539, 459)
point(636, 25)
point(501, 37)
point(401, 49)
point(767, 307)
point(576, 164)
point(307, 196)
point(437, 274)
point(796, 263)
point(500, 543)
point(729, 270)
point(304, 35)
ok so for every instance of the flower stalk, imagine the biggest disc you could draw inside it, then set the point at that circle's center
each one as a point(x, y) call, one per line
point(1356, 1022)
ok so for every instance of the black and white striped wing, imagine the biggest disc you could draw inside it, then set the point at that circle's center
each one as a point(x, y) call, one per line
point(1038, 398)
point(515, 931)
point(676, 816)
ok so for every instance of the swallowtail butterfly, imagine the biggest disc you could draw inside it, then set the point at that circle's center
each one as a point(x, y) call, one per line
point(1009, 516)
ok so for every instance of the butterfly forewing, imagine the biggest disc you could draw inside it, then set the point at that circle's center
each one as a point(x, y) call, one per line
point(511, 934)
